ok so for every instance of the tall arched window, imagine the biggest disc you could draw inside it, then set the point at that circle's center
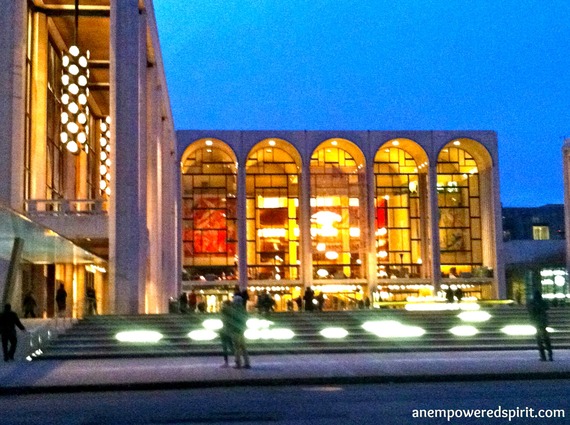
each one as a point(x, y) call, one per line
point(272, 212)
point(337, 211)
point(397, 209)
point(209, 211)
point(460, 232)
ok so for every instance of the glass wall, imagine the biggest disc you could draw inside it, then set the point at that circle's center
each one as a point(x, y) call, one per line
point(397, 214)
point(338, 207)
point(272, 213)
point(459, 212)
point(209, 212)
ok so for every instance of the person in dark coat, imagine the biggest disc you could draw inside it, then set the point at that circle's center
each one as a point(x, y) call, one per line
point(183, 300)
point(8, 322)
point(61, 300)
point(538, 315)
point(237, 319)
point(29, 304)
point(225, 333)
point(192, 301)
point(308, 298)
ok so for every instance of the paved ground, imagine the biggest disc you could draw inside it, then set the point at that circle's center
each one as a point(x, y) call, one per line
point(22, 377)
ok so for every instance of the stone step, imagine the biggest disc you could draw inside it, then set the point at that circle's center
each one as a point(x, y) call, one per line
point(94, 337)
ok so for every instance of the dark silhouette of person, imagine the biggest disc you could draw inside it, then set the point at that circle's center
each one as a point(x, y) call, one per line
point(61, 300)
point(449, 294)
point(8, 322)
point(459, 294)
point(225, 333)
point(308, 298)
point(237, 319)
point(299, 302)
point(183, 302)
point(539, 317)
point(244, 295)
point(29, 304)
point(91, 300)
point(192, 301)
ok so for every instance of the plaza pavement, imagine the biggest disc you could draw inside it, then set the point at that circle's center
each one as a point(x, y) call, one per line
point(42, 376)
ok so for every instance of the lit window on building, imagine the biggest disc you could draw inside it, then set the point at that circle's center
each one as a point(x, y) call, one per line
point(540, 233)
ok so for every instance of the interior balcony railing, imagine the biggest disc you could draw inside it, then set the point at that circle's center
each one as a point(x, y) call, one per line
point(57, 207)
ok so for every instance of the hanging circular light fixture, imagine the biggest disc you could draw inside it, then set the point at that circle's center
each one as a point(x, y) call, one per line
point(105, 152)
point(75, 121)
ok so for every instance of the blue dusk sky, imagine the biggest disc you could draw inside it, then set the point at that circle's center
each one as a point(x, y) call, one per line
point(501, 65)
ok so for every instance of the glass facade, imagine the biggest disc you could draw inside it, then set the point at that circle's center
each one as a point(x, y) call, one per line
point(337, 195)
point(272, 213)
point(209, 213)
point(397, 214)
point(460, 233)
point(367, 226)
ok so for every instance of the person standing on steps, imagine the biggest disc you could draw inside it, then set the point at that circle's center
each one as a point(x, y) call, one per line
point(9, 320)
point(538, 315)
point(61, 300)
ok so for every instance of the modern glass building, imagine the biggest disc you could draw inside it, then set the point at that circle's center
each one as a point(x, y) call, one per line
point(391, 216)
point(88, 154)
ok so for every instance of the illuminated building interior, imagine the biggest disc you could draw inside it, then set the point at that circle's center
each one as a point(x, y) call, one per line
point(348, 226)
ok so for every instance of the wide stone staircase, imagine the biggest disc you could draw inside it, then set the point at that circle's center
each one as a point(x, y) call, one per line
point(380, 330)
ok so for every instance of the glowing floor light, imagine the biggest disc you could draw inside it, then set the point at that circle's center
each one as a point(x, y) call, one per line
point(202, 335)
point(474, 316)
point(212, 324)
point(519, 330)
point(266, 333)
point(464, 330)
point(140, 336)
point(392, 329)
point(334, 333)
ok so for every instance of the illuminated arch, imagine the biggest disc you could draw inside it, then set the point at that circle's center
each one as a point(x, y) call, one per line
point(338, 197)
point(400, 187)
point(272, 199)
point(209, 209)
point(464, 167)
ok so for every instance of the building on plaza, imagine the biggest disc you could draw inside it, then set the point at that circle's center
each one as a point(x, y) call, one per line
point(389, 215)
point(535, 253)
point(88, 183)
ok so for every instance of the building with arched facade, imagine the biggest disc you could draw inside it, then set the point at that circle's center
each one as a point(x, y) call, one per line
point(388, 215)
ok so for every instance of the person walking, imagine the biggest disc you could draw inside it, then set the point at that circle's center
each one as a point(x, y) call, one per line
point(61, 300)
point(539, 317)
point(225, 333)
point(237, 324)
point(29, 304)
point(91, 296)
point(9, 320)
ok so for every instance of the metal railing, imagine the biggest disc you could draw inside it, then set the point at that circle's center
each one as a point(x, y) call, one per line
point(66, 206)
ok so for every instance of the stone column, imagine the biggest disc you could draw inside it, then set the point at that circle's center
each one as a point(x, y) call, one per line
point(370, 228)
point(305, 223)
point(127, 271)
point(12, 93)
point(433, 213)
point(242, 224)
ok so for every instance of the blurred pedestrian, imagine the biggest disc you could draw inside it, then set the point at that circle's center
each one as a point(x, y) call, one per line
point(237, 324)
point(29, 304)
point(8, 322)
point(61, 300)
point(225, 332)
point(538, 315)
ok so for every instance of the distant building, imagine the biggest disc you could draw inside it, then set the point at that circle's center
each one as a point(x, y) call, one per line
point(535, 252)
